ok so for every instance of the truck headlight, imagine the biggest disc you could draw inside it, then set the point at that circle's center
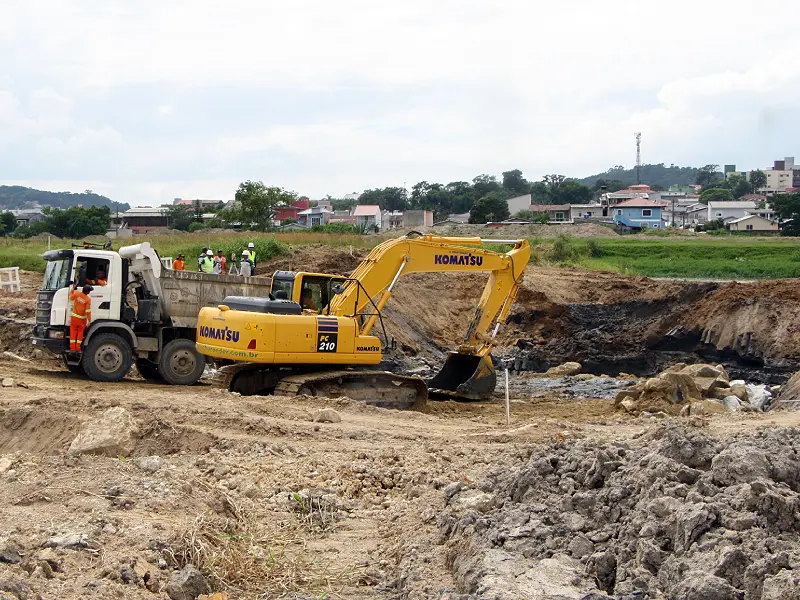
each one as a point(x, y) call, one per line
point(55, 335)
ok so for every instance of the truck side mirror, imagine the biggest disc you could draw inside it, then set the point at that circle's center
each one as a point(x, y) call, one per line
point(337, 288)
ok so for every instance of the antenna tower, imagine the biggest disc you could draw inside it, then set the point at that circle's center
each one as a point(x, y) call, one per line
point(638, 137)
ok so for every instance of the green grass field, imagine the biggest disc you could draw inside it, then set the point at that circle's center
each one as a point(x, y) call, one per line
point(690, 257)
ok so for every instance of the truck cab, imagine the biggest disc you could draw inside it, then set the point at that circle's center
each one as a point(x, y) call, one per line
point(65, 269)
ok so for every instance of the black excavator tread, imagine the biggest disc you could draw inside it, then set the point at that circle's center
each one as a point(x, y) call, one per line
point(377, 388)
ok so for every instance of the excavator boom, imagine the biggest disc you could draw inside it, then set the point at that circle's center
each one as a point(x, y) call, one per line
point(288, 339)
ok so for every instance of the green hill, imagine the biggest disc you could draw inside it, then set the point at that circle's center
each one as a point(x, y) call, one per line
point(650, 174)
point(17, 196)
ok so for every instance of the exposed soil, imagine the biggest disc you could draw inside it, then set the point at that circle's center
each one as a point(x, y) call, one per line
point(430, 505)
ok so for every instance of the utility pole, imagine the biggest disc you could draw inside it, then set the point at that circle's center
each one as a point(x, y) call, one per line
point(638, 137)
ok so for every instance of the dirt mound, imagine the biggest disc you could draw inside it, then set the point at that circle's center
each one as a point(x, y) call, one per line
point(756, 321)
point(674, 513)
point(316, 258)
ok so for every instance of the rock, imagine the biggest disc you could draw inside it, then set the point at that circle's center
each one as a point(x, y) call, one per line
point(707, 407)
point(629, 404)
point(783, 586)
point(732, 403)
point(701, 586)
point(71, 541)
point(737, 464)
point(151, 464)
point(473, 500)
point(790, 392)
point(568, 368)
point(740, 391)
point(112, 434)
point(8, 382)
point(452, 489)
point(6, 462)
point(703, 370)
point(327, 415)
point(686, 389)
point(10, 552)
point(187, 584)
point(580, 546)
point(676, 368)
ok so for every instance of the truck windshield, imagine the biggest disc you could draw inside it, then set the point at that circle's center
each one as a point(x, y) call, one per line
point(56, 274)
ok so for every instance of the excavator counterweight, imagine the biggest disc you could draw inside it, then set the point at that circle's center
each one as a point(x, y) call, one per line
point(314, 333)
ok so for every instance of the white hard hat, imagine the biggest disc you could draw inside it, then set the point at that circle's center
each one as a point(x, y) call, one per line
point(209, 252)
point(245, 253)
point(251, 245)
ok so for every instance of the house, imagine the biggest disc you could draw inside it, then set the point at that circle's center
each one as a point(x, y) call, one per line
point(753, 223)
point(727, 210)
point(342, 216)
point(292, 211)
point(201, 202)
point(314, 216)
point(391, 219)
point(611, 199)
point(26, 216)
point(757, 198)
point(697, 214)
point(639, 213)
point(518, 203)
point(581, 212)
point(368, 216)
point(145, 219)
point(418, 218)
point(556, 213)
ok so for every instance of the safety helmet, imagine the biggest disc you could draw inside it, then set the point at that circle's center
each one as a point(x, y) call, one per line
point(210, 253)
point(251, 245)
point(245, 253)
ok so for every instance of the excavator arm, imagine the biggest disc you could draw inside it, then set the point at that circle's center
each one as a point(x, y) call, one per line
point(370, 286)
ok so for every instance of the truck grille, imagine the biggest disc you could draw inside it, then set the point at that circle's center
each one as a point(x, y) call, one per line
point(44, 302)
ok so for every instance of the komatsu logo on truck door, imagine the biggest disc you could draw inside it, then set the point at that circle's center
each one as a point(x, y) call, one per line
point(219, 333)
point(458, 259)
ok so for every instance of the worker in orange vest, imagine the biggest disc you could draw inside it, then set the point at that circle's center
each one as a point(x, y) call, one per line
point(178, 264)
point(100, 279)
point(81, 315)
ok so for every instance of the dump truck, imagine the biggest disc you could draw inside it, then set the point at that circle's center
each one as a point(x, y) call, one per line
point(314, 335)
point(142, 312)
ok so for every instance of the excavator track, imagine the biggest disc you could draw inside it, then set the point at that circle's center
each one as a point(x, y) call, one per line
point(377, 388)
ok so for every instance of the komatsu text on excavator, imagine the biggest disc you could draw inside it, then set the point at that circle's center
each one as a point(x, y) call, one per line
point(313, 334)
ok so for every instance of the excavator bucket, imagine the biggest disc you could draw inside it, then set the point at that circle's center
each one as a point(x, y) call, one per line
point(465, 376)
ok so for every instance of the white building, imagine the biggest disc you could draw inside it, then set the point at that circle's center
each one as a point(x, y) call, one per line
point(727, 210)
point(367, 215)
point(582, 212)
point(518, 203)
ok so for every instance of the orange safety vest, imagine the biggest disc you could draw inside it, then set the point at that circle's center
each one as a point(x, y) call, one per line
point(82, 305)
point(178, 265)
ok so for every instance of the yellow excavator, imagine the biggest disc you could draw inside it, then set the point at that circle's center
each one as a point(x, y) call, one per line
point(312, 335)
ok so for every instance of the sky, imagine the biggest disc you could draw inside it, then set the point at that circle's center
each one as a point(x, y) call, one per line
point(151, 100)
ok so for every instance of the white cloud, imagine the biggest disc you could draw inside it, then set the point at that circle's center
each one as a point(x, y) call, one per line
point(152, 98)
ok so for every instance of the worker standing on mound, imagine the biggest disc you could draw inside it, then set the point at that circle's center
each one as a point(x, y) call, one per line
point(81, 315)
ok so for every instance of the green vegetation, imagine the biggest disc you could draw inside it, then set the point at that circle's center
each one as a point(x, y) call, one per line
point(17, 196)
point(74, 222)
point(728, 257)
point(654, 175)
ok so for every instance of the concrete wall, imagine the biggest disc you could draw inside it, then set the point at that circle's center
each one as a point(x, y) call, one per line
point(418, 218)
point(519, 203)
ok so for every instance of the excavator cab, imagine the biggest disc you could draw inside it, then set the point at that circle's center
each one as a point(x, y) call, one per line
point(312, 291)
point(465, 376)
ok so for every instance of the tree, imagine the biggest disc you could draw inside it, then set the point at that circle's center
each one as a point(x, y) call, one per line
point(257, 203)
point(539, 193)
point(707, 175)
point(179, 217)
point(8, 223)
point(388, 198)
point(571, 192)
point(715, 194)
point(492, 207)
point(611, 185)
point(525, 215)
point(787, 206)
point(738, 185)
point(554, 181)
point(483, 184)
point(515, 183)
point(758, 181)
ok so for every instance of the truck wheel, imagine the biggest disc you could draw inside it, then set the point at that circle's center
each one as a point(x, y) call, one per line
point(181, 363)
point(148, 370)
point(107, 357)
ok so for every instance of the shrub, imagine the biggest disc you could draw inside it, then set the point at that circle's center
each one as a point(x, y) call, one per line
point(196, 227)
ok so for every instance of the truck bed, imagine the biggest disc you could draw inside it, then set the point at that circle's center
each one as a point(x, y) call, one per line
point(184, 293)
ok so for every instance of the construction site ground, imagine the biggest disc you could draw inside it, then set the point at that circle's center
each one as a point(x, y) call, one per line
point(269, 503)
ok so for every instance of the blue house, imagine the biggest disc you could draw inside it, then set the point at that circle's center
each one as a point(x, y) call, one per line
point(639, 213)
